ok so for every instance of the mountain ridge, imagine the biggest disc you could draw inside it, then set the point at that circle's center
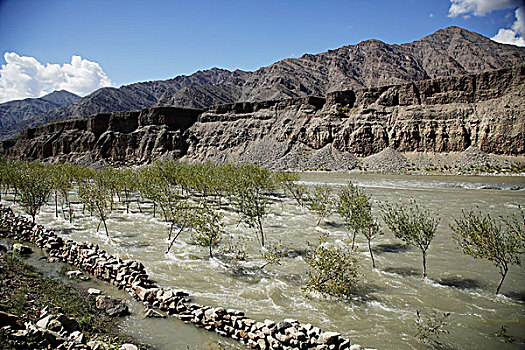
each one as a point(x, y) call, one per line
point(447, 52)
point(426, 121)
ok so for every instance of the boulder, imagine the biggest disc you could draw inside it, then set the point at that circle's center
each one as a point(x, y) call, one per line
point(281, 326)
point(113, 307)
point(69, 324)
point(10, 320)
point(22, 249)
point(151, 313)
point(128, 347)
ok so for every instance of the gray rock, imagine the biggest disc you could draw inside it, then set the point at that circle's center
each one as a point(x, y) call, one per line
point(328, 338)
point(94, 291)
point(151, 313)
point(113, 307)
point(356, 347)
point(42, 323)
point(7, 319)
point(22, 249)
point(69, 324)
point(281, 326)
point(128, 346)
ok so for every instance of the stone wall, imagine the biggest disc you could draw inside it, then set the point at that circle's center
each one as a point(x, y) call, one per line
point(131, 276)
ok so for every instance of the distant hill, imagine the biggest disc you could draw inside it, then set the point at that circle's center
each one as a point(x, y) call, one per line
point(448, 52)
point(16, 116)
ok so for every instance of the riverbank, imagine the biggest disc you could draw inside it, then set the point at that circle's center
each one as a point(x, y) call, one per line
point(44, 313)
point(160, 302)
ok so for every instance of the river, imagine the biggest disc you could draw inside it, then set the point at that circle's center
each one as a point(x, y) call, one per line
point(382, 314)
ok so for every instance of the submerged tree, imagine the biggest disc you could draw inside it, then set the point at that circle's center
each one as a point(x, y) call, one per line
point(355, 207)
point(252, 187)
point(413, 225)
point(208, 228)
point(35, 187)
point(97, 198)
point(482, 237)
point(320, 201)
point(430, 328)
point(333, 271)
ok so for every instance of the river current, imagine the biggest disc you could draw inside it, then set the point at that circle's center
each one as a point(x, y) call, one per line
point(382, 315)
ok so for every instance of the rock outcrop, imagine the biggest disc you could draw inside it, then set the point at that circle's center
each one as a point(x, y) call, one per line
point(448, 52)
point(485, 111)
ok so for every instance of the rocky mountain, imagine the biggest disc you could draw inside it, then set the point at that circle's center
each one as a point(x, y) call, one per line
point(448, 52)
point(391, 126)
point(18, 115)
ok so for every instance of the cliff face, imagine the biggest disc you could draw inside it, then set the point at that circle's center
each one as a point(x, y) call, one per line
point(485, 110)
point(448, 52)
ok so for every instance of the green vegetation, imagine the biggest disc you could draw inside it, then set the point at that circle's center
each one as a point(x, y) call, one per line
point(35, 187)
point(333, 271)
point(431, 327)
point(413, 225)
point(355, 207)
point(192, 198)
point(320, 201)
point(482, 237)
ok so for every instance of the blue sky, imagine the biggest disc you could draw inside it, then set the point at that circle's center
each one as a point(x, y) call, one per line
point(148, 40)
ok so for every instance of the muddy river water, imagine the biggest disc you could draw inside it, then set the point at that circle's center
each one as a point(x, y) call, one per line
point(382, 315)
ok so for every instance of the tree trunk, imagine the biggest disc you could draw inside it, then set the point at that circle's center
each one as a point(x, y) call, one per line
point(353, 239)
point(371, 255)
point(424, 263)
point(56, 204)
point(107, 232)
point(503, 274)
point(261, 230)
point(211, 254)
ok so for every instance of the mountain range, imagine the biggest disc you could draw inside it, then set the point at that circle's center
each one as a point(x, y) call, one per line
point(448, 52)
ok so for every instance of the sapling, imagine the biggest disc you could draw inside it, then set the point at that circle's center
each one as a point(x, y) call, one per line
point(482, 237)
point(413, 225)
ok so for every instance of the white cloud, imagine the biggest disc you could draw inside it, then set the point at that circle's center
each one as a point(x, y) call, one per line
point(519, 25)
point(22, 77)
point(514, 36)
point(480, 7)
point(507, 36)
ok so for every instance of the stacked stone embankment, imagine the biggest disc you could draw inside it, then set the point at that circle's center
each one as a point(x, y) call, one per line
point(131, 276)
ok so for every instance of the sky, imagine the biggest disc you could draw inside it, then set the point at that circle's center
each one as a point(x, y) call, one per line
point(82, 45)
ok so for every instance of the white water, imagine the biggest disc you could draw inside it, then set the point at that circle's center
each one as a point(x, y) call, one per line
point(382, 315)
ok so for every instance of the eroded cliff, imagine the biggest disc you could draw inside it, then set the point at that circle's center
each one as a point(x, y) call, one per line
point(485, 110)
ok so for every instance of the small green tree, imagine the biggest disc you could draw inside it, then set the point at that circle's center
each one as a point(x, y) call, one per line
point(355, 207)
point(333, 271)
point(35, 187)
point(208, 228)
point(413, 225)
point(430, 328)
point(97, 198)
point(482, 237)
point(274, 254)
point(320, 201)
point(252, 185)
point(288, 182)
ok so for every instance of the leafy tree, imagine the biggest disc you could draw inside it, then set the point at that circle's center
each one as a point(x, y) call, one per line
point(97, 198)
point(482, 237)
point(413, 225)
point(320, 201)
point(430, 328)
point(208, 228)
point(355, 207)
point(274, 254)
point(35, 187)
point(288, 182)
point(62, 182)
point(253, 184)
point(333, 271)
